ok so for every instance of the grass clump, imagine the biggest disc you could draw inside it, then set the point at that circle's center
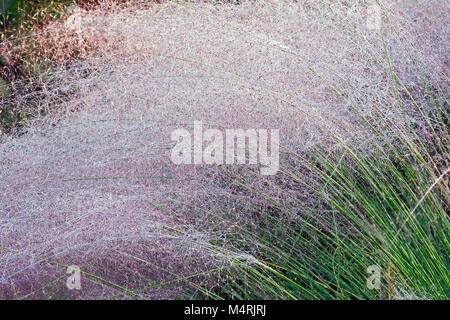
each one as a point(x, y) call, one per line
point(395, 212)
point(363, 177)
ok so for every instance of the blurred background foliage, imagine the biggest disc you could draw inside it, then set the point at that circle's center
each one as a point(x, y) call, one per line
point(28, 51)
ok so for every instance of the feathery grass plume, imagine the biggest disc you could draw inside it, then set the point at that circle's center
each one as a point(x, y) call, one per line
point(363, 176)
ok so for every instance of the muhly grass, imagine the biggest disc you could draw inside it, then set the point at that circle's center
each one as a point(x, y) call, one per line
point(397, 219)
point(363, 177)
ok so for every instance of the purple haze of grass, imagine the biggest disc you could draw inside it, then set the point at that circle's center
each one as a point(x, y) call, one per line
point(91, 187)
